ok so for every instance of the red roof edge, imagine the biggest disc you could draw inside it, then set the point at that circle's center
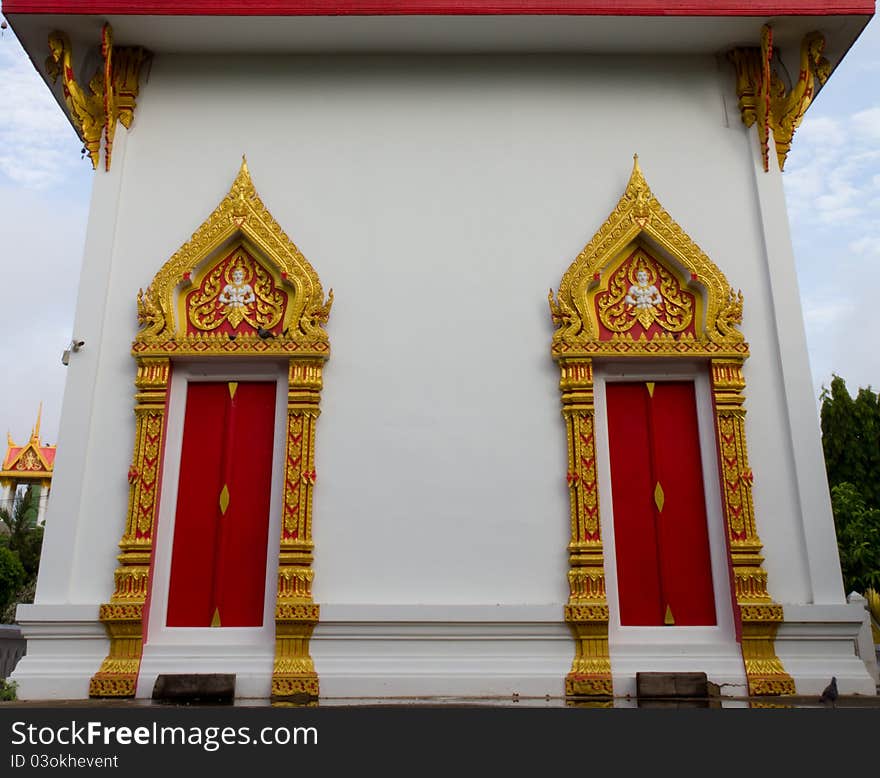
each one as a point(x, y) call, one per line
point(441, 7)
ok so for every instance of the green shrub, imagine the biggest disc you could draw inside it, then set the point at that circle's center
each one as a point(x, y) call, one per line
point(12, 576)
point(8, 690)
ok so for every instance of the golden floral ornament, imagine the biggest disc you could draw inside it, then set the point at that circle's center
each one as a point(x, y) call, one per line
point(29, 461)
point(236, 289)
point(633, 297)
point(238, 286)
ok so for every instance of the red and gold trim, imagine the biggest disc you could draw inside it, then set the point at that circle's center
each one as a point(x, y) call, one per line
point(296, 614)
point(757, 8)
point(587, 609)
point(123, 616)
point(683, 308)
point(759, 615)
point(32, 463)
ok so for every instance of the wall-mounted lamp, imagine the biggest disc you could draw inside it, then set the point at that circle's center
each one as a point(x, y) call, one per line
point(75, 345)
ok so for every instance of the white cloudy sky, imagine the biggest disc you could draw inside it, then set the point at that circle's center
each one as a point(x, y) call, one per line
point(832, 183)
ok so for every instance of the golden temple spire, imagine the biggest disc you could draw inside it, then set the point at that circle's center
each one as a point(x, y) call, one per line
point(35, 433)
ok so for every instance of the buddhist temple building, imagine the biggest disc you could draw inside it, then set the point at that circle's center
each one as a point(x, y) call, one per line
point(439, 349)
point(31, 465)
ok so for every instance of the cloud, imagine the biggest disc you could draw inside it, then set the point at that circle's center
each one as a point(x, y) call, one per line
point(823, 313)
point(866, 124)
point(868, 245)
point(38, 147)
point(833, 172)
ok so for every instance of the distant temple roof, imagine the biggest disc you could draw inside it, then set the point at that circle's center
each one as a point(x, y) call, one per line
point(31, 461)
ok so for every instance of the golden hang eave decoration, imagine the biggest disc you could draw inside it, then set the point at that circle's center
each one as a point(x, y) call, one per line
point(639, 216)
point(242, 216)
point(110, 95)
point(764, 99)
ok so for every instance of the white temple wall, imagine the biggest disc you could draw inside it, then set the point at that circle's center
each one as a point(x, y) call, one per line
point(440, 198)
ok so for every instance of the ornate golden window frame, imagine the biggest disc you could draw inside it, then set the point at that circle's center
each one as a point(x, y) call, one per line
point(639, 219)
point(240, 218)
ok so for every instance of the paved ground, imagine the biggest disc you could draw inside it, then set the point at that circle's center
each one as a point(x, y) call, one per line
point(843, 702)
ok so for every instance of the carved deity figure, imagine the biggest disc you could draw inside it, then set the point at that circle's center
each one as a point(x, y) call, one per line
point(236, 295)
point(642, 294)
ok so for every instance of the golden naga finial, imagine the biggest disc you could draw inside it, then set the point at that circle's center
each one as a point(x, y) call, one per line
point(559, 314)
point(318, 315)
point(149, 314)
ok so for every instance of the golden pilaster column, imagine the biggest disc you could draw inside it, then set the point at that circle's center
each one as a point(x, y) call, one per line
point(759, 615)
point(123, 615)
point(587, 609)
point(296, 614)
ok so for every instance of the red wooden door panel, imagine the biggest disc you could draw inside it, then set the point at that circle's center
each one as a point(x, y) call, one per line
point(218, 563)
point(682, 527)
point(660, 529)
point(240, 578)
point(635, 540)
point(190, 593)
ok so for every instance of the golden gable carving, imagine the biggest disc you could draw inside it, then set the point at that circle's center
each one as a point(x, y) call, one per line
point(639, 218)
point(240, 217)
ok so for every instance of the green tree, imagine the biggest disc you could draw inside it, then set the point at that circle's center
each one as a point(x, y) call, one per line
point(24, 536)
point(851, 439)
point(851, 443)
point(858, 538)
point(12, 576)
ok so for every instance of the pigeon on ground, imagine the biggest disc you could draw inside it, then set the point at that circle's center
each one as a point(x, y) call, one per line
point(830, 692)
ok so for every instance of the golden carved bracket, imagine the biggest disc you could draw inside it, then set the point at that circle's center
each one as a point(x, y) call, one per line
point(763, 97)
point(240, 219)
point(638, 223)
point(111, 93)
